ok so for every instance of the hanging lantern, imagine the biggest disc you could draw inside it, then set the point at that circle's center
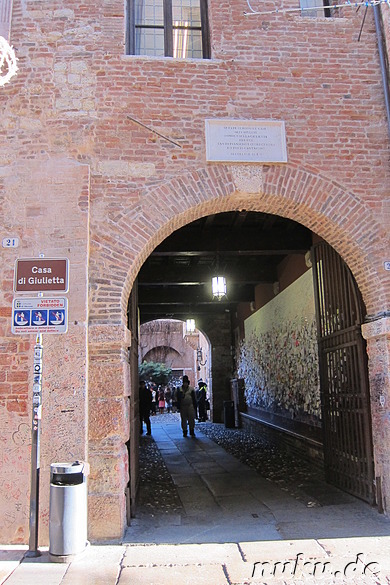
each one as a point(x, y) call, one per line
point(218, 285)
point(190, 326)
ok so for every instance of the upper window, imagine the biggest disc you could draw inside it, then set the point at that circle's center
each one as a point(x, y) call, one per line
point(315, 8)
point(169, 28)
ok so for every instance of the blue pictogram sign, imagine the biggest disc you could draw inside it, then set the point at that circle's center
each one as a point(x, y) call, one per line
point(40, 315)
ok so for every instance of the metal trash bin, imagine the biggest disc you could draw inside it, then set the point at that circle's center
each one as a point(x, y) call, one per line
point(228, 414)
point(68, 510)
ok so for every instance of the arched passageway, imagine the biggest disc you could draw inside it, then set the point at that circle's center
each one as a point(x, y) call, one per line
point(281, 191)
point(267, 258)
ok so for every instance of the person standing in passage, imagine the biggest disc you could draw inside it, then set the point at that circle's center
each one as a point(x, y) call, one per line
point(186, 403)
point(201, 399)
point(168, 399)
point(154, 400)
point(174, 399)
point(161, 399)
point(145, 405)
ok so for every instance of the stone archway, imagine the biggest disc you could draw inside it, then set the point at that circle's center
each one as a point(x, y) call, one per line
point(338, 216)
point(135, 228)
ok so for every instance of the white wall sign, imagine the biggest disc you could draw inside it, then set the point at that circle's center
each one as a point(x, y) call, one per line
point(10, 242)
point(387, 265)
point(246, 141)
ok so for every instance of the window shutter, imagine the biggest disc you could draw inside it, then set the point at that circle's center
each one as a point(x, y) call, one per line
point(5, 18)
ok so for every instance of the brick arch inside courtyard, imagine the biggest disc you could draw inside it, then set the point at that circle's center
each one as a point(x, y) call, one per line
point(134, 230)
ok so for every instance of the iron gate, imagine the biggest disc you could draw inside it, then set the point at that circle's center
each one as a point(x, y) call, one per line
point(346, 418)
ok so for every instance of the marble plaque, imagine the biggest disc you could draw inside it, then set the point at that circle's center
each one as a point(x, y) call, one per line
point(246, 141)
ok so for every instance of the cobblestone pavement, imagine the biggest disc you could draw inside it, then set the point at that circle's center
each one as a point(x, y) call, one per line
point(157, 493)
point(291, 473)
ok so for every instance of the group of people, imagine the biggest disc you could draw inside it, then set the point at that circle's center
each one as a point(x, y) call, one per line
point(192, 404)
point(165, 398)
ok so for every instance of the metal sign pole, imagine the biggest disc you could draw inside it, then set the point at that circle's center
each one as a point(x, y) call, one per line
point(35, 448)
point(39, 315)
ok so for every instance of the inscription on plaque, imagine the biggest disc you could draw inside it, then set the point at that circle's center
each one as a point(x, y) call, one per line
point(246, 141)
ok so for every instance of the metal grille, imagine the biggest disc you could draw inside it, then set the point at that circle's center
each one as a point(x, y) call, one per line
point(348, 450)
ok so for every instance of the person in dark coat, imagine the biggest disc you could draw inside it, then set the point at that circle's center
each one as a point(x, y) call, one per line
point(201, 399)
point(186, 403)
point(174, 399)
point(145, 406)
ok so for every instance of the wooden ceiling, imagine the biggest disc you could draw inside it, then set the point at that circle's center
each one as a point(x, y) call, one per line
point(245, 247)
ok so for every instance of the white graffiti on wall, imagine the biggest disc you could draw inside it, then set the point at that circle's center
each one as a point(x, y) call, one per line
point(8, 66)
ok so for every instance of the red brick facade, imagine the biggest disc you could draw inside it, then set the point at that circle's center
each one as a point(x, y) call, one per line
point(80, 178)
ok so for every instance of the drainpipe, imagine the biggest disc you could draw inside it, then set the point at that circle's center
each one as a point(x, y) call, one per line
point(383, 59)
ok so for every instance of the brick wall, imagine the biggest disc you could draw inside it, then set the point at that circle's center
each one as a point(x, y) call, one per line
point(46, 206)
point(114, 190)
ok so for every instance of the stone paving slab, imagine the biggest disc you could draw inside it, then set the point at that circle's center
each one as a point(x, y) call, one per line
point(194, 508)
point(179, 466)
point(184, 554)
point(253, 478)
point(187, 480)
point(223, 485)
point(347, 546)
point(280, 503)
point(172, 454)
point(279, 550)
point(246, 505)
point(199, 456)
point(232, 466)
point(371, 549)
point(333, 528)
point(204, 467)
point(214, 451)
point(252, 529)
point(38, 570)
point(147, 521)
point(190, 496)
point(10, 557)
point(197, 529)
point(189, 575)
point(100, 565)
point(166, 446)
